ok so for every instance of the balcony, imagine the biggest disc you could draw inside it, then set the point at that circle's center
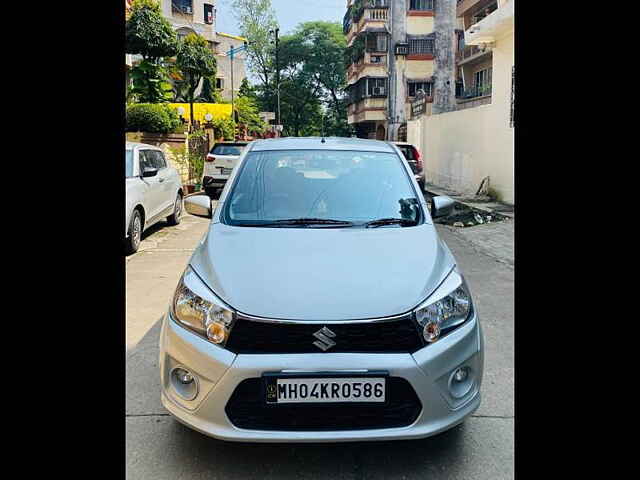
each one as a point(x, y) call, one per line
point(474, 96)
point(498, 23)
point(353, 26)
point(367, 110)
point(465, 8)
point(373, 63)
point(470, 53)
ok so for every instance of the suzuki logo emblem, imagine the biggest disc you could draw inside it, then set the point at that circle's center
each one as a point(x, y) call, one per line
point(324, 341)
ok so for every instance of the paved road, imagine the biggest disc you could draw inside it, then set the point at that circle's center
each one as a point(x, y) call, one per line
point(160, 448)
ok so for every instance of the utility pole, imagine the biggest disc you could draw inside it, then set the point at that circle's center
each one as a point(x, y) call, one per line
point(231, 53)
point(277, 43)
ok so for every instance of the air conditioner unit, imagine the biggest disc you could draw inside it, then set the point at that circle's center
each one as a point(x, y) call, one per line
point(378, 91)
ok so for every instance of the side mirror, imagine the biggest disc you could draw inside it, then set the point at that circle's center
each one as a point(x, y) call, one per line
point(150, 172)
point(442, 206)
point(198, 205)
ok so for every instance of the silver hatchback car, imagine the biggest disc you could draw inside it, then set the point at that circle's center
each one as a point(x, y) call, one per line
point(321, 306)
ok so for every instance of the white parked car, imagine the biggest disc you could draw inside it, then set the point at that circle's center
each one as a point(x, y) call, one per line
point(153, 192)
point(219, 164)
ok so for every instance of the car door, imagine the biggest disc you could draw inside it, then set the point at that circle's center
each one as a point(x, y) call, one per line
point(165, 181)
point(153, 194)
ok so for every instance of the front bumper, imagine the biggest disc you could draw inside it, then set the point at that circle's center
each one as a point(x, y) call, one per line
point(219, 371)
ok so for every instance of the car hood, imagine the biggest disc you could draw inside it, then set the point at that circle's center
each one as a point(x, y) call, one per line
point(322, 273)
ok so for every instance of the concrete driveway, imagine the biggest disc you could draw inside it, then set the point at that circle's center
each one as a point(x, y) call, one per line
point(159, 448)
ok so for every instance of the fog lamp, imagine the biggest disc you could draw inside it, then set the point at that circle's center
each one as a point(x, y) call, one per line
point(184, 383)
point(460, 375)
point(431, 332)
point(183, 376)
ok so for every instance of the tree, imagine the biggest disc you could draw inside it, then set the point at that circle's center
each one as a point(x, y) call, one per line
point(194, 61)
point(149, 34)
point(256, 19)
point(313, 80)
point(209, 94)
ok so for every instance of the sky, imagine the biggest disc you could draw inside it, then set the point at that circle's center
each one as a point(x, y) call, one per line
point(289, 13)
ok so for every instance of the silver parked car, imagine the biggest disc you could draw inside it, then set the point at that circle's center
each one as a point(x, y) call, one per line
point(153, 192)
point(321, 306)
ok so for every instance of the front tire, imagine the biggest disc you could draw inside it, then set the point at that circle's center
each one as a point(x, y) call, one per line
point(132, 242)
point(174, 218)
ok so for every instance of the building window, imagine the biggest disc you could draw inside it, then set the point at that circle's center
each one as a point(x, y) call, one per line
point(421, 46)
point(482, 82)
point(182, 6)
point(208, 14)
point(220, 83)
point(376, 87)
point(414, 87)
point(377, 42)
point(421, 5)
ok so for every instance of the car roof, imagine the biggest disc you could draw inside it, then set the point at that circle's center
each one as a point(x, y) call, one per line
point(132, 145)
point(315, 143)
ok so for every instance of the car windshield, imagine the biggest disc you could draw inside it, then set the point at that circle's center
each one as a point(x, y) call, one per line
point(222, 149)
point(128, 163)
point(318, 186)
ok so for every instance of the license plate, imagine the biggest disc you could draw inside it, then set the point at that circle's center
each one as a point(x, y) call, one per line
point(326, 390)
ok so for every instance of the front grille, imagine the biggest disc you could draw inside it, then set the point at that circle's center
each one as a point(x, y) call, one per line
point(248, 409)
point(396, 336)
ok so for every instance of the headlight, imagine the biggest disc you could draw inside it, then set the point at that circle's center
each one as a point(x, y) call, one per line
point(199, 310)
point(448, 307)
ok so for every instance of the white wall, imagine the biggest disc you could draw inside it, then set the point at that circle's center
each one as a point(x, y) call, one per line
point(461, 148)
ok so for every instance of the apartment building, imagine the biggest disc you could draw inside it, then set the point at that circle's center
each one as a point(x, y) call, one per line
point(223, 77)
point(474, 63)
point(391, 56)
point(475, 143)
point(199, 16)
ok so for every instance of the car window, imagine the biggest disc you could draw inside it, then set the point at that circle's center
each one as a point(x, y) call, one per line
point(227, 149)
point(157, 159)
point(407, 151)
point(340, 185)
point(128, 163)
point(146, 160)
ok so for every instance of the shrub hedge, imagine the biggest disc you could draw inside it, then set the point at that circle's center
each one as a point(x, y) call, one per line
point(151, 117)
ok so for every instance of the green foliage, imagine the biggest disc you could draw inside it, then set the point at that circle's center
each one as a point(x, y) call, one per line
point(247, 112)
point(256, 18)
point(209, 94)
point(313, 80)
point(194, 61)
point(149, 83)
point(223, 128)
point(247, 90)
point(154, 118)
point(148, 33)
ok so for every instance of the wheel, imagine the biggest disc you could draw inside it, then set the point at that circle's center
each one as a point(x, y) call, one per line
point(174, 218)
point(132, 242)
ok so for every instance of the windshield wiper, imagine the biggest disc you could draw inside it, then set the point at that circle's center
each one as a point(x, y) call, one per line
point(390, 221)
point(301, 221)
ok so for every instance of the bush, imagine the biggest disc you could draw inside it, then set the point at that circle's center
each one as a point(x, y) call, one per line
point(153, 118)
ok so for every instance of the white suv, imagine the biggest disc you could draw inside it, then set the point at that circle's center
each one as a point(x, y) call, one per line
point(219, 165)
point(153, 192)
